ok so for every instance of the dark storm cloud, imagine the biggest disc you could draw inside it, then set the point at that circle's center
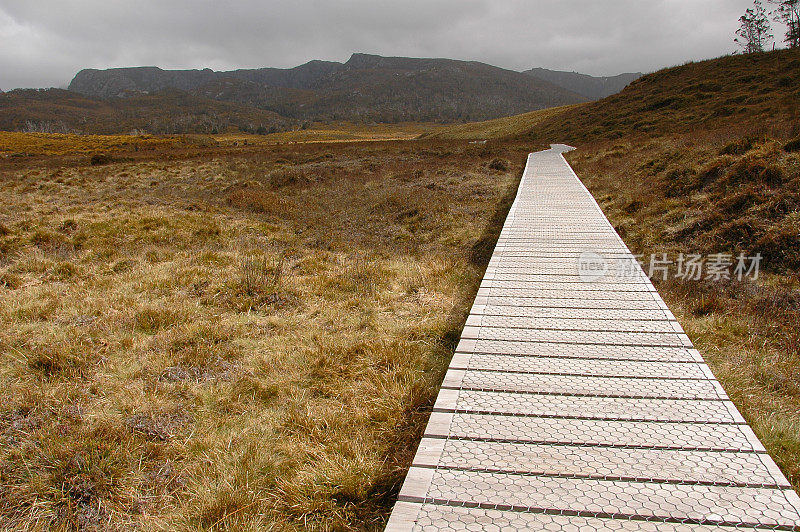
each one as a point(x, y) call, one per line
point(44, 43)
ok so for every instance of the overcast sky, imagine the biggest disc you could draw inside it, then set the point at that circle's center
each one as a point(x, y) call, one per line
point(45, 42)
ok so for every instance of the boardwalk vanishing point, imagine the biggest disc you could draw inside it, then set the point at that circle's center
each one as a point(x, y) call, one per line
point(575, 401)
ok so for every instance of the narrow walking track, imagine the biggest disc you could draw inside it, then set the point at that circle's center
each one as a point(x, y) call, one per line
point(575, 401)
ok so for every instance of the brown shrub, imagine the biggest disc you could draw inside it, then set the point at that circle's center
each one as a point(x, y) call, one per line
point(738, 147)
point(501, 165)
point(99, 159)
point(792, 145)
point(68, 226)
point(48, 241)
point(287, 176)
point(751, 170)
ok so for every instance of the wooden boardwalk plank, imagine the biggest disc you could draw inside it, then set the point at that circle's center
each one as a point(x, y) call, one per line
point(575, 401)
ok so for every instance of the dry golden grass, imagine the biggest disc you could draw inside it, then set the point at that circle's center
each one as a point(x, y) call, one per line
point(13, 143)
point(103, 149)
point(725, 191)
point(242, 341)
point(335, 132)
point(499, 128)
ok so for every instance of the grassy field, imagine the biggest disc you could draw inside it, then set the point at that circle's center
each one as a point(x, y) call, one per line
point(16, 144)
point(499, 128)
point(342, 132)
point(244, 340)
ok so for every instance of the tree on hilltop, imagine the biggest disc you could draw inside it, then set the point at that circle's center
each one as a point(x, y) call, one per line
point(754, 30)
point(788, 12)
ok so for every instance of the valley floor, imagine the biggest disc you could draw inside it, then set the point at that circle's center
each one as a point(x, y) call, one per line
point(231, 337)
point(203, 333)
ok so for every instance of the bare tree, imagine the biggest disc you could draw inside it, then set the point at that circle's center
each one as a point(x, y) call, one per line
point(45, 126)
point(788, 12)
point(754, 31)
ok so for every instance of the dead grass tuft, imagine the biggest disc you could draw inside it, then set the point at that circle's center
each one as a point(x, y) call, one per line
point(151, 319)
point(10, 281)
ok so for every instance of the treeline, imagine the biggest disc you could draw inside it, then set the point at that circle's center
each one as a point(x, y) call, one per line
point(169, 112)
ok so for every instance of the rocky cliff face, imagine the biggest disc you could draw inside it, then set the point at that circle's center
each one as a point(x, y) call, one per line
point(116, 82)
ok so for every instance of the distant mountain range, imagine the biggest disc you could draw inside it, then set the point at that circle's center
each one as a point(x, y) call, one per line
point(366, 88)
point(590, 87)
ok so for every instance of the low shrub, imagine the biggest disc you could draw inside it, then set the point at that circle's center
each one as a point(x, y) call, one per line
point(501, 165)
point(792, 145)
point(99, 159)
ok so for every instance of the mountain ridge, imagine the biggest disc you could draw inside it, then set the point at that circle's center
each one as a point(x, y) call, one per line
point(366, 87)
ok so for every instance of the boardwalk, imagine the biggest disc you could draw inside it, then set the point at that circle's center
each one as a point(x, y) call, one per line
point(575, 401)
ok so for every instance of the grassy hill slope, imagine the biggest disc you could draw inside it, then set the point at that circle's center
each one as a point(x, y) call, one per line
point(509, 126)
point(593, 87)
point(739, 92)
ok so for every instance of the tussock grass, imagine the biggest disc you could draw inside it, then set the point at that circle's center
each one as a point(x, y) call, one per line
point(242, 340)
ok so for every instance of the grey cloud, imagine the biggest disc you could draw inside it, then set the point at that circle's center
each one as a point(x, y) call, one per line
point(44, 43)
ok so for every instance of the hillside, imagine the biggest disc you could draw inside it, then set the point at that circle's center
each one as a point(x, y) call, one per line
point(166, 111)
point(739, 93)
point(498, 128)
point(366, 88)
point(592, 87)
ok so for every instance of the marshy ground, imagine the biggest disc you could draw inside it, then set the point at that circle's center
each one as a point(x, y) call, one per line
point(237, 338)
